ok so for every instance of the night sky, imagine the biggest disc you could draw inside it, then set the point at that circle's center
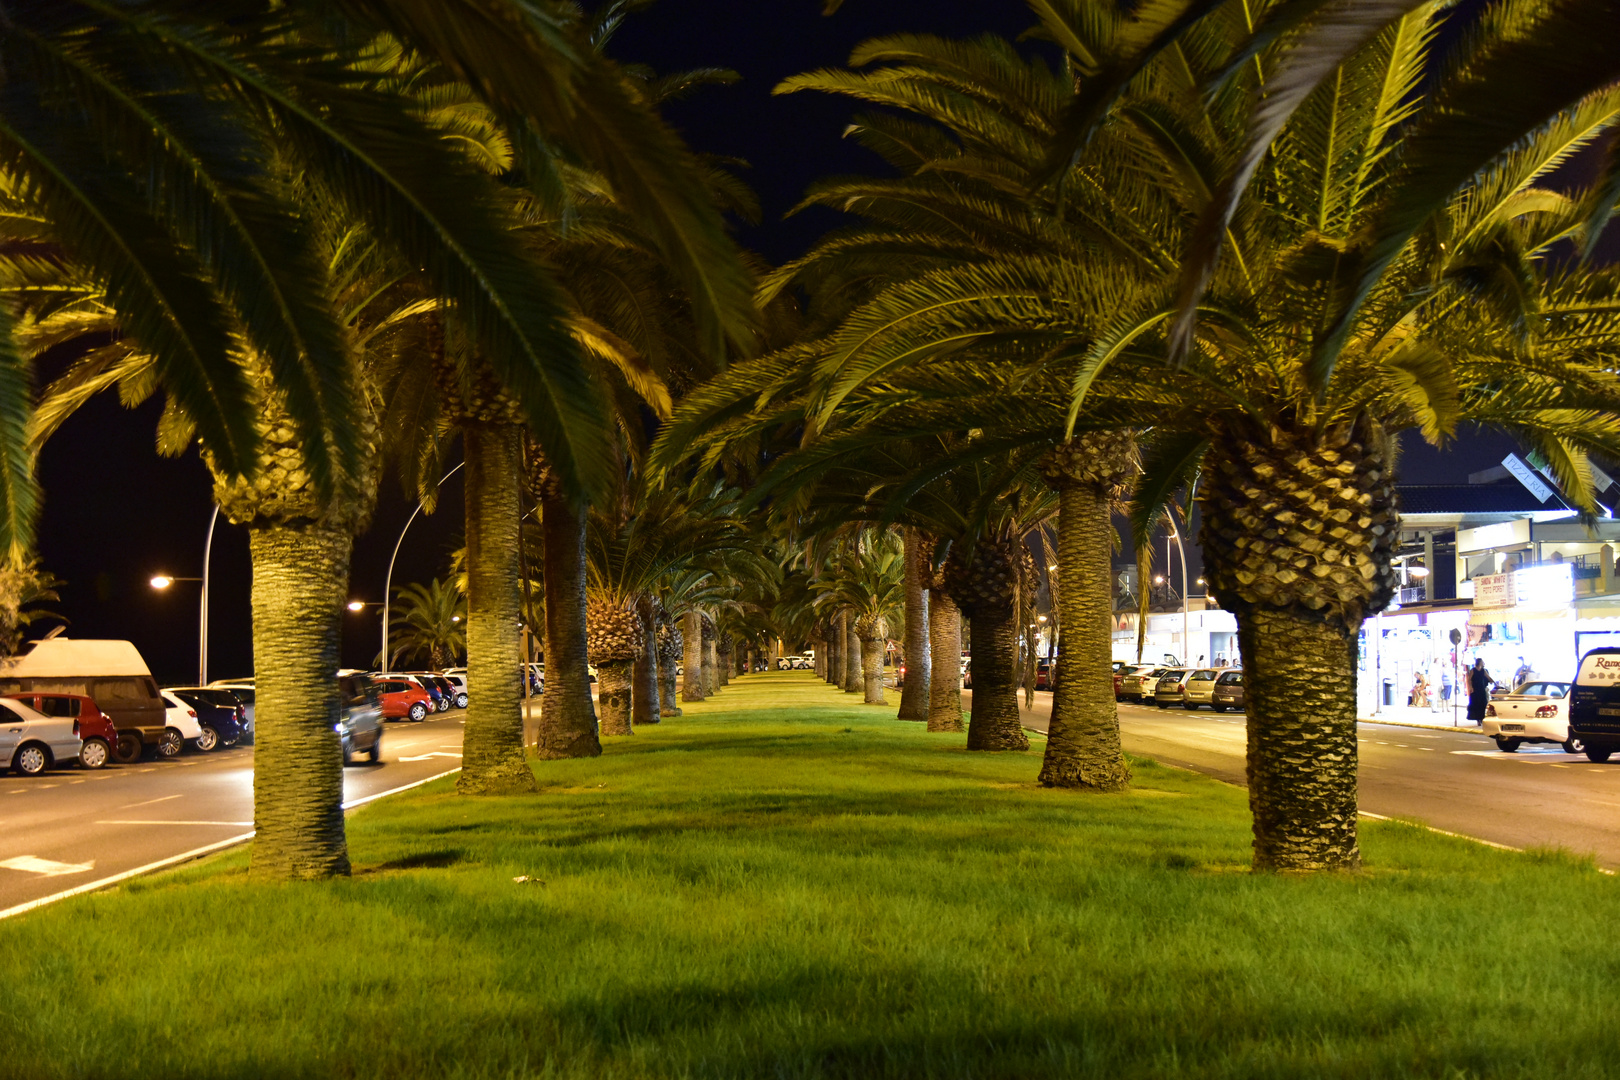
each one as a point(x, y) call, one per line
point(115, 513)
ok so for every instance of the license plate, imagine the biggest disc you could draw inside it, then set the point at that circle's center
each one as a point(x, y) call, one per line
point(1512, 727)
point(1608, 711)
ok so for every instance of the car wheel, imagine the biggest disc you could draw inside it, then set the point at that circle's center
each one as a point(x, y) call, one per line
point(1506, 745)
point(1189, 706)
point(1218, 708)
point(461, 701)
point(375, 753)
point(348, 757)
point(208, 740)
point(1162, 704)
point(1599, 756)
point(95, 753)
point(444, 704)
point(418, 711)
point(1574, 745)
point(128, 749)
point(169, 743)
point(31, 760)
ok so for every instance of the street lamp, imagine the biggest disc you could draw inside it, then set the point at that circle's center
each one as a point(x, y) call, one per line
point(160, 582)
point(388, 583)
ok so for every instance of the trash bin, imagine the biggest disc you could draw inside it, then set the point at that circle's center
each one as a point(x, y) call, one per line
point(1389, 691)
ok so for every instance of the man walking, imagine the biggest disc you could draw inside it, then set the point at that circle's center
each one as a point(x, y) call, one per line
point(1479, 691)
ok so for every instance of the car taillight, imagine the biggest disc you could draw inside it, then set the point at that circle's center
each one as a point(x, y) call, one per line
point(1545, 711)
point(1490, 710)
point(75, 727)
point(192, 713)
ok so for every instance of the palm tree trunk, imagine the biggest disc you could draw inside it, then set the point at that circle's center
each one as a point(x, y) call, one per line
point(872, 650)
point(919, 663)
point(1082, 745)
point(1300, 681)
point(772, 655)
point(644, 693)
point(613, 682)
point(854, 679)
point(711, 676)
point(994, 722)
point(567, 721)
point(945, 682)
point(493, 762)
point(835, 651)
point(722, 666)
point(692, 661)
point(300, 582)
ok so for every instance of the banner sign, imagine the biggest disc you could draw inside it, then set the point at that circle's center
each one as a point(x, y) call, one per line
point(1494, 590)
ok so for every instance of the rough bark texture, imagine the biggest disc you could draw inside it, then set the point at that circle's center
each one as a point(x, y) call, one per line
point(492, 760)
point(919, 662)
point(644, 705)
point(669, 657)
point(1298, 532)
point(692, 661)
point(945, 642)
point(300, 582)
point(567, 721)
point(772, 655)
point(835, 651)
point(872, 649)
point(1299, 678)
point(854, 680)
point(613, 683)
point(722, 666)
point(1082, 746)
point(711, 678)
point(994, 723)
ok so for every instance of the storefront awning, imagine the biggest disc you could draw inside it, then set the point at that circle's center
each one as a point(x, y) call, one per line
point(1490, 616)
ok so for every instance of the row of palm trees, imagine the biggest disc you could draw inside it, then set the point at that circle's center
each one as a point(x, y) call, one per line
point(1212, 252)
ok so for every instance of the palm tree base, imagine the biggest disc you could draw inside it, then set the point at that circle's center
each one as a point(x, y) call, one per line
point(995, 723)
point(613, 681)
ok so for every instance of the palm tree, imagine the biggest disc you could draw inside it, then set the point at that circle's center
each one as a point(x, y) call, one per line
point(428, 621)
point(869, 584)
point(23, 585)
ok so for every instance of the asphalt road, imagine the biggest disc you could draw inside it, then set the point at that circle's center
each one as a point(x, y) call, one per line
point(72, 827)
point(1456, 781)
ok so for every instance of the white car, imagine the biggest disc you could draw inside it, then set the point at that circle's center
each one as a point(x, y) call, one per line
point(181, 726)
point(31, 742)
point(1537, 712)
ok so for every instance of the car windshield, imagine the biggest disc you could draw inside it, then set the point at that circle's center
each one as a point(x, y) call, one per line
point(1203, 676)
point(1232, 678)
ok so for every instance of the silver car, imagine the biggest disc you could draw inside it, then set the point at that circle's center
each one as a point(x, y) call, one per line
point(32, 742)
point(1170, 689)
point(360, 724)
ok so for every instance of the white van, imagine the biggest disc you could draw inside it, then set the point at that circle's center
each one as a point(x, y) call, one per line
point(112, 673)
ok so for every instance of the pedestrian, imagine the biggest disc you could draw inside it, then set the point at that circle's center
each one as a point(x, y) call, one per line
point(1420, 692)
point(1445, 685)
point(1479, 691)
point(1524, 674)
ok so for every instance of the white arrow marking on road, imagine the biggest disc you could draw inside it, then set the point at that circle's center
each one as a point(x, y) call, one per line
point(424, 757)
point(46, 867)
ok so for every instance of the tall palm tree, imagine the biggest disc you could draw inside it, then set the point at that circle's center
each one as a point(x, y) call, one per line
point(429, 621)
point(868, 583)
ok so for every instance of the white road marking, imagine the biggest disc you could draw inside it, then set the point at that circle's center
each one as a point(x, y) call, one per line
point(46, 867)
point(118, 822)
point(434, 754)
point(150, 802)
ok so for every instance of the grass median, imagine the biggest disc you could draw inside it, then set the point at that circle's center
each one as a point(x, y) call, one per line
point(786, 883)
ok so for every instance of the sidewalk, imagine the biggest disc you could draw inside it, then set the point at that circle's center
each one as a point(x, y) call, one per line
point(1407, 716)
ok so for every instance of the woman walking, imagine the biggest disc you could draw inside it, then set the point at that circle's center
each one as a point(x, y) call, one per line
point(1479, 691)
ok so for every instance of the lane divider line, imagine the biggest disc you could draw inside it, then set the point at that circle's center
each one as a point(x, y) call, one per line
point(185, 856)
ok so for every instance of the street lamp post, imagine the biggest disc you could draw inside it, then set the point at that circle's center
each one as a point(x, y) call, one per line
point(1185, 629)
point(388, 583)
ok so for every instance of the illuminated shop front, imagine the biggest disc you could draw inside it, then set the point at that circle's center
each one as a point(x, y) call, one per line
point(1525, 619)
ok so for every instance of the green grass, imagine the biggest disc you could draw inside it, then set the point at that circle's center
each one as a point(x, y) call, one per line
point(783, 883)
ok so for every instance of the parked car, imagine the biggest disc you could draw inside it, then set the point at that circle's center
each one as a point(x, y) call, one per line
point(421, 683)
point(183, 726)
point(360, 721)
point(967, 674)
point(398, 697)
point(1044, 670)
point(243, 691)
point(1594, 704)
point(111, 672)
point(1535, 712)
point(97, 732)
point(1228, 692)
point(458, 686)
point(218, 710)
point(1137, 684)
point(444, 695)
point(31, 742)
point(1200, 688)
point(1171, 688)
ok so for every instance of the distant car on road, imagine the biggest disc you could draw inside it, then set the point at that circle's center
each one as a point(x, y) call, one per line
point(360, 719)
point(398, 698)
point(31, 742)
point(1535, 712)
point(1171, 689)
point(1137, 684)
point(97, 733)
point(1228, 692)
point(1200, 688)
point(218, 709)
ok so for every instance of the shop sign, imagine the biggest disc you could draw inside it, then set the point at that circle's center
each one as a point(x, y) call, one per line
point(1527, 476)
point(1494, 590)
point(1551, 585)
point(1500, 535)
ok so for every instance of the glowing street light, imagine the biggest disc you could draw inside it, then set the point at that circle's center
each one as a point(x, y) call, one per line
point(162, 581)
point(357, 605)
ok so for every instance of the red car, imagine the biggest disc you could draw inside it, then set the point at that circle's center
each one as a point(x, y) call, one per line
point(400, 699)
point(95, 727)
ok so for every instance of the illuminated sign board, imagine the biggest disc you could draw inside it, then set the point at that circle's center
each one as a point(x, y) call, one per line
point(1494, 590)
point(1550, 585)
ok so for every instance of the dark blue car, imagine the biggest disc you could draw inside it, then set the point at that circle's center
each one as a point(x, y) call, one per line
point(217, 709)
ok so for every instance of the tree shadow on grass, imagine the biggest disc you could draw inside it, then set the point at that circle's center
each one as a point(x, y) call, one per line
point(422, 860)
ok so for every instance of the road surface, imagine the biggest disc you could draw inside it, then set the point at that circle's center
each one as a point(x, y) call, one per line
point(72, 827)
point(1456, 781)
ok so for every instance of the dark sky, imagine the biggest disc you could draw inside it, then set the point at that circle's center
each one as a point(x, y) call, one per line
point(115, 513)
